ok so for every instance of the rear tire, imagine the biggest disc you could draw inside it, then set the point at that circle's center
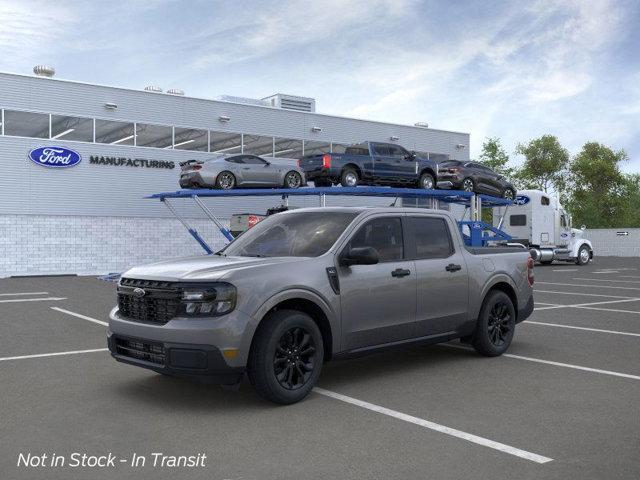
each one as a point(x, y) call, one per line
point(349, 178)
point(225, 180)
point(468, 185)
point(495, 326)
point(286, 357)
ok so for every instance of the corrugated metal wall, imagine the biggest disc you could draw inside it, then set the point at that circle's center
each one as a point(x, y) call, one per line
point(103, 190)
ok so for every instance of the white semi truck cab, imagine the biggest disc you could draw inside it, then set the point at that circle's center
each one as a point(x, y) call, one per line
point(539, 222)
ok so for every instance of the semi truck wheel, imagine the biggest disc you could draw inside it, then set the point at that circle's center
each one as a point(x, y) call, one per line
point(583, 255)
point(286, 357)
point(349, 178)
point(496, 325)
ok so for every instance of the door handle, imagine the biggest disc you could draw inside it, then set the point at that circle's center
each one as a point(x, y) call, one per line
point(400, 272)
point(452, 267)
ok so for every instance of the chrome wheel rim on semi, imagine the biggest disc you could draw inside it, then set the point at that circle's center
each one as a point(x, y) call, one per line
point(584, 255)
point(499, 324)
point(293, 180)
point(293, 362)
point(467, 185)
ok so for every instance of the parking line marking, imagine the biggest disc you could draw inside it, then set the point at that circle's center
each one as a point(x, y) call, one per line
point(557, 364)
point(23, 293)
point(606, 309)
point(15, 300)
point(588, 305)
point(604, 280)
point(56, 354)
point(628, 276)
point(583, 294)
point(84, 317)
point(566, 270)
point(591, 286)
point(598, 330)
point(435, 426)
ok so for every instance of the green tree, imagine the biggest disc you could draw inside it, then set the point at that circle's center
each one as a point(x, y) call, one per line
point(545, 164)
point(631, 202)
point(599, 191)
point(495, 157)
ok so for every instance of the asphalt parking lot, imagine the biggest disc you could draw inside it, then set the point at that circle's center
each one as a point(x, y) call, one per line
point(564, 403)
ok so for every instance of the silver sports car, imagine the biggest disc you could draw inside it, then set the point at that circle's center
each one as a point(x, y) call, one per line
point(241, 170)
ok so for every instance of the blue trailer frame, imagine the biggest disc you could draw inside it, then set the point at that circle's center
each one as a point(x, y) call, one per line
point(480, 233)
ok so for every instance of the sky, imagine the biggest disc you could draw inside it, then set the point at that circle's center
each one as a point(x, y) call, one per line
point(514, 70)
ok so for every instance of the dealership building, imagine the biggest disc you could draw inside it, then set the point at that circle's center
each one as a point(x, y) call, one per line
point(92, 218)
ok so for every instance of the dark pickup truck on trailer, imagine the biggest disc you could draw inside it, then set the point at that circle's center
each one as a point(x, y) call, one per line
point(371, 163)
point(314, 284)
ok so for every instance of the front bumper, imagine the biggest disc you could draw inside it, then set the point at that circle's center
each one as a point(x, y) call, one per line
point(193, 361)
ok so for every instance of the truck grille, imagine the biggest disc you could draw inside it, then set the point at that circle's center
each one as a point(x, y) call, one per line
point(148, 300)
point(139, 350)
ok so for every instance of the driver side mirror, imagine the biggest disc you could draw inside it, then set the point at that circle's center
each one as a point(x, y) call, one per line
point(266, 163)
point(360, 256)
point(410, 156)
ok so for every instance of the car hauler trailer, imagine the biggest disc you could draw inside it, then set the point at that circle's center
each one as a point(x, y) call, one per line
point(475, 232)
point(538, 221)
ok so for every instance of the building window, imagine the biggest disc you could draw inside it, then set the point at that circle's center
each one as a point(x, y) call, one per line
point(224, 142)
point(258, 145)
point(338, 147)
point(72, 128)
point(191, 139)
point(287, 148)
point(312, 147)
point(26, 124)
point(157, 136)
point(115, 133)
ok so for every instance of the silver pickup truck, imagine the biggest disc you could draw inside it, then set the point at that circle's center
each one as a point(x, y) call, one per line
point(309, 285)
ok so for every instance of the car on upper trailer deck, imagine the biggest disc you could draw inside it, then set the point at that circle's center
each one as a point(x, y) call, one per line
point(474, 177)
point(371, 163)
point(231, 171)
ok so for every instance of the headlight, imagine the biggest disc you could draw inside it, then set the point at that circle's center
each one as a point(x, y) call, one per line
point(208, 300)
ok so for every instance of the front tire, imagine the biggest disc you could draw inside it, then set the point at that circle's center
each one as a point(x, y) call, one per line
point(496, 325)
point(427, 181)
point(584, 256)
point(225, 180)
point(292, 180)
point(286, 357)
point(349, 178)
point(508, 194)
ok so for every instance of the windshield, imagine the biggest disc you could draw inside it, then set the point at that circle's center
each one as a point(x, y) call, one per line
point(303, 234)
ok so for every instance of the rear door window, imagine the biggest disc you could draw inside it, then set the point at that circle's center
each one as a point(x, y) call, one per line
point(431, 237)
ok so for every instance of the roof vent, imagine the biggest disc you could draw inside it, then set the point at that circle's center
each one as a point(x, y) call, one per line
point(175, 91)
point(153, 88)
point(422, 124)
point(292, 102)
point(44, 71)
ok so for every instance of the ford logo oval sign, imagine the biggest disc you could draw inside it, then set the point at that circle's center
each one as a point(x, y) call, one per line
point(521, 200)
point(55, 157)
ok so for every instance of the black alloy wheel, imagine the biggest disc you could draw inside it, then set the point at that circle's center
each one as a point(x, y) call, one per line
point(499, 324)
point(286, 356)
point(496, 325)
point(294, 358)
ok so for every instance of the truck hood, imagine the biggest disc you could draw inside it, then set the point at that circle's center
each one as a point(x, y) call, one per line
point(200, 268)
